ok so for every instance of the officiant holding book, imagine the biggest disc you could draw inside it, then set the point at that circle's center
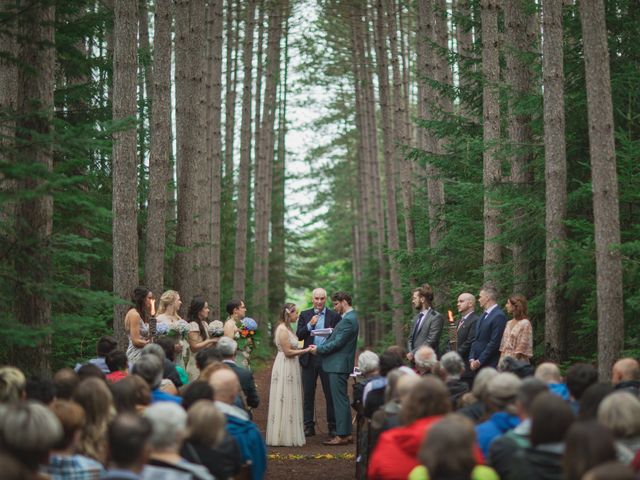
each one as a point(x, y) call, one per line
point(316, 318)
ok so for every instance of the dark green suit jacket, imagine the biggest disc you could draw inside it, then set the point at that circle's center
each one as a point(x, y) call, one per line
point(339, 351)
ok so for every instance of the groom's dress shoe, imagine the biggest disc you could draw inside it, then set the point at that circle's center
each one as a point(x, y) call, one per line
point(337, 440)
point(309, 432)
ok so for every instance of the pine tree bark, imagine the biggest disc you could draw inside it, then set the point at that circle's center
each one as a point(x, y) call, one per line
point(393, 240)
point(491, 135)
point(401, 136)
point(555, 181)
point(8, 102)
point(604, 178)
point(125, 239)
point(240, 267)
point(277, 274)
point(464, 42)
point(193, 223)
point(520, 34)
point(160, 154)
point(34, 216)
point(212, 268)
point(264, 164)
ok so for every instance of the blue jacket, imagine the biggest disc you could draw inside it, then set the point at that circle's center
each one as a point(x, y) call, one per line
point(559, 389)
point(489, 330)
point(251, 444)
point(498, 424)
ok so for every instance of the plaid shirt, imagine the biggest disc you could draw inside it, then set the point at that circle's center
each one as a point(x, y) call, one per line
point(72, 467)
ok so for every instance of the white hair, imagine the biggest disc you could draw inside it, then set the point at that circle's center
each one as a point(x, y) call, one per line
point(319, 291)
point(453, 364)
point(168, 425)
point(425, 357)
point(368, 362)
point(227, 346)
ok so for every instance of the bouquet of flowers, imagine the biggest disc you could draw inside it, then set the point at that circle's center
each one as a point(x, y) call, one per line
point(179, 329)
point(248, 327)
point(216, 328)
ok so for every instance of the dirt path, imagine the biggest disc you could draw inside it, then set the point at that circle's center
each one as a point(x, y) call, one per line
point(314, 461)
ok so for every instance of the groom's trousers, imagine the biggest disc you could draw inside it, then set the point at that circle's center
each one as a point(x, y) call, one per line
point(339, 383)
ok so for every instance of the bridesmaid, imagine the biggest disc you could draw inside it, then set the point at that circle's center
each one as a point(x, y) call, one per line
point(170, 303)
point(136, 322)
point(199, 337)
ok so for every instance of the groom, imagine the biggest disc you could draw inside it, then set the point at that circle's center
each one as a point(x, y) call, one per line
point(317, 317)
point(338, 356)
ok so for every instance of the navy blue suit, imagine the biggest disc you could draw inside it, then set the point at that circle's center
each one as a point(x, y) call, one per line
point(489, 330)
point(312, 369)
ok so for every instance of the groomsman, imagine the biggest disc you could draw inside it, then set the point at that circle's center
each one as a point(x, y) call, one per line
point(466, 331)
point(315, 318)
point(485, 350)
point(427, 326)
point(338, 354)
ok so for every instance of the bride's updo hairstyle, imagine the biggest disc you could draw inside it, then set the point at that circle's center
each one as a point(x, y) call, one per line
point(286, 310)
point(167, 298)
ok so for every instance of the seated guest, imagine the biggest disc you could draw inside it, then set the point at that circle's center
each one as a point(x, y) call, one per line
point(626, 375)
point(168, 344)
point(369, 368)
point(591, 400)
point(131, 394)
point(453, 367)
point(206, 357)
point(475, 409)
point(521, 368)
point(118, 364)
point(13, 385)
point(395, 454)
point(64, 463)
point(41, 389)
point(128, 447)
point(549, 373)
point(168, 431)
point(65, 381)
point(426, 360)
point(448, 453)
point(94, 396)
point(373, 393)
point(208, 442)
point(610, 471)
point(620, 411)
point(28, 432)
point(89, 370)
point(227, 347)
point(226, 388)
point(105, 345)
point(150, 369)
point(170, 377)
point(551, 418)
point(500, 400)
point(13, 470)
point(504, 448)
point(580, 376)
point(587, 445)
point(195, 391)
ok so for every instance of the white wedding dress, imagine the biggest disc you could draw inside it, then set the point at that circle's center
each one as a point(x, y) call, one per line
point(285, 424)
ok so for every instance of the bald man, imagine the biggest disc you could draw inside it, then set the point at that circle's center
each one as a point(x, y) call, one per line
point(226, 388)
point(466, 328)
point(626, 375)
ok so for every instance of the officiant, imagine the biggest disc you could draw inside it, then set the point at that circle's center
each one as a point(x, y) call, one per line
point(316, 318)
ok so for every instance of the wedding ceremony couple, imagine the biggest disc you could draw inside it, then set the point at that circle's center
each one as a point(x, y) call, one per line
point(329, 355)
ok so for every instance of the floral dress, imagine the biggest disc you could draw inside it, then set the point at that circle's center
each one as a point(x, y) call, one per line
point(133, 352)
point(517, 340)
point(285, 422)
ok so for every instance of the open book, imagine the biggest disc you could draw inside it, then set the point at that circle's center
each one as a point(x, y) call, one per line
point(322, 332)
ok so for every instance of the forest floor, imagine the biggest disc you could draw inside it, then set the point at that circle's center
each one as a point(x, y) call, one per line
point(314, 460)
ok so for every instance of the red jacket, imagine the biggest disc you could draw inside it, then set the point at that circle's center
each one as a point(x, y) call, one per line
point(396, 452)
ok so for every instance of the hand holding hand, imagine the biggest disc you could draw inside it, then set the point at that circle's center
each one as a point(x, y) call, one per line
point(474, 364)
point(313, 349)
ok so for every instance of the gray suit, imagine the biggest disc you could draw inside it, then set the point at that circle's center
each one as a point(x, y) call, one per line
point(427, 333)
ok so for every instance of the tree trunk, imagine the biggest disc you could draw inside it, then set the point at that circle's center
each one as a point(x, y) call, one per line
point(401, 137)
point(160, 154)
point(464, 43)
point(34, 216)
point(214, 151)
point(392, 218)
point(520, 28)
point(491, 135)
point(555, 181)
point(264, 165)
point(193, 223)
point(604, 179)
point(125, 239)
point(426, 101)
point(240, 267)
point(277, 274)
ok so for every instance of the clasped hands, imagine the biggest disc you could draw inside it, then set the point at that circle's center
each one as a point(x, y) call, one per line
point(474, 364)
point(313, 349)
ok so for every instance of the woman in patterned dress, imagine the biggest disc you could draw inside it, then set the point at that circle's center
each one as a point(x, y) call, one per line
point(285, 422)
point(135, 323)
point(517, 339)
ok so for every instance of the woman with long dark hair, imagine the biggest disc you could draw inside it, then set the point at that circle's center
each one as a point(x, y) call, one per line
point(135, 322)
point(517, 339)
point(199, 337)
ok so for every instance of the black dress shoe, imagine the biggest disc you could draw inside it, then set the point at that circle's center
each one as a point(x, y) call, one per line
point(309, 431)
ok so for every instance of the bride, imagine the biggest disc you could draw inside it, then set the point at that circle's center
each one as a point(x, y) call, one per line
point(285, 423)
